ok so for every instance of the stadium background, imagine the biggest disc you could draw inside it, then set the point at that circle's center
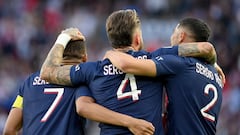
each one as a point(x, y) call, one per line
point(28, 28)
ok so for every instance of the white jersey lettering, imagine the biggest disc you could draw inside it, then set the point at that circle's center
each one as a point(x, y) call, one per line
point(111, 70)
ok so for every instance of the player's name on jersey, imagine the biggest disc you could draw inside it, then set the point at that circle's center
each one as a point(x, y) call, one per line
point(201, 69)
point(111, 70)
point(38, 81)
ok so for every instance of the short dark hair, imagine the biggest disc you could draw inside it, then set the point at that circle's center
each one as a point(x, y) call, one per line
point(198, 29)
point(120, 26)
point(75, 49)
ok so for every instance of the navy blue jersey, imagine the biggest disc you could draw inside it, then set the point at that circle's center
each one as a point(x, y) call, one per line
point(136, 96)
point(169, 50)
point(195, 94)
point(50, 109)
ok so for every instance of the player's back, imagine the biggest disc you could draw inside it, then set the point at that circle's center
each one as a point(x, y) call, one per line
point(136, 96)
point(195, 94)
point(49, 109)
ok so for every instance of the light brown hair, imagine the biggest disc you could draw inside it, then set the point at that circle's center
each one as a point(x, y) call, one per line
point(120, 26)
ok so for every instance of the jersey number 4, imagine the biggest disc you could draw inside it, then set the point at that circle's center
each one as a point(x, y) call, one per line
point(133, 85)
point(206, 108)
point(59, 92)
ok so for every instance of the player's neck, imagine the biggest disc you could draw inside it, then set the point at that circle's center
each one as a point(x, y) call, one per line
point(71, 62)
point(125, 49)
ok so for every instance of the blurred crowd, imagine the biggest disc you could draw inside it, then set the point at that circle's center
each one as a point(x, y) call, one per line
point(28, 29)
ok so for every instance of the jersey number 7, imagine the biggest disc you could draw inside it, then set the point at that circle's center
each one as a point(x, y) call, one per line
point(59, 92)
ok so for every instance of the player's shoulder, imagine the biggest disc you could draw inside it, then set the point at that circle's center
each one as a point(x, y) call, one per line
point(142, 54)
point(202, 64)
point(173, 50)
point(86, 70)
point(90, 63)
point(190, 61)
point(85, 66)
point(173, 61)
point(170, 57)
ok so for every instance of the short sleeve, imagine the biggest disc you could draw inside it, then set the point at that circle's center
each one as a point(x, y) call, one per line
point(82, 73)
point(83, 91)
point(77, 74)
point(168, 64)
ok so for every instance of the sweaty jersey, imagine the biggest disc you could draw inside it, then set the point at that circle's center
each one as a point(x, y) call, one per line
point(49, 109)
point(194, 91)
point(136, 96)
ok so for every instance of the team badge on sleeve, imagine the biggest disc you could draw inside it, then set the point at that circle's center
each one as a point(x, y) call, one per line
point(159, 58)
point(77, 68)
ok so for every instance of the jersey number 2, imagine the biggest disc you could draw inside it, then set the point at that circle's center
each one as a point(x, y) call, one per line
point(133, 85)
point(206, 108)
point(59, 92)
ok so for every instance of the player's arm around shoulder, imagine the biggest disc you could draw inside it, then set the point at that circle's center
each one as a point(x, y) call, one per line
point(52, 70)
point(87, 107)
point(203, 50)
point(129, 64)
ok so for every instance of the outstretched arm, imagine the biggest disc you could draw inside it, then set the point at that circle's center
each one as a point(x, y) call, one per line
point(203, 50)
point(146, 67)
point(129, 64)
point(52, 70)
point(86, 107)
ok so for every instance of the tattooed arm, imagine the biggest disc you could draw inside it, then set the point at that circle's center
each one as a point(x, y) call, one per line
point(203, 50)
point(52, 70)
